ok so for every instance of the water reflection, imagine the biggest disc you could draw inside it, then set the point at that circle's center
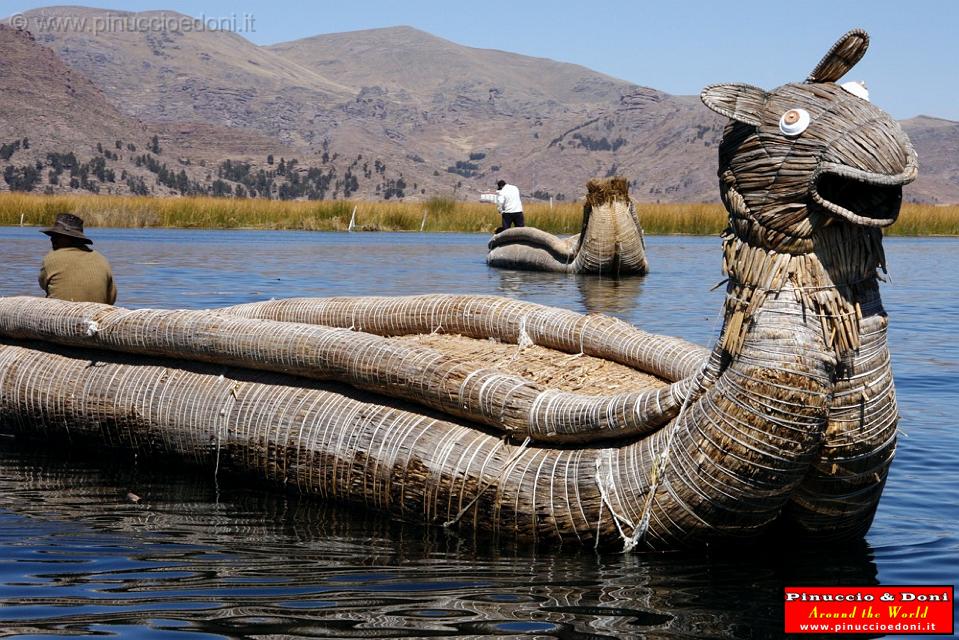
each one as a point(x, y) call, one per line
point(247, 562)
point(616, 297)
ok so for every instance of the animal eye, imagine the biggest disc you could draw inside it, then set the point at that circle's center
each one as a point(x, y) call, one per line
point(794, 122)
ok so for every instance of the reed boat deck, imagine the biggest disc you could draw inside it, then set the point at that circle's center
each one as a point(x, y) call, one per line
point(547, 367)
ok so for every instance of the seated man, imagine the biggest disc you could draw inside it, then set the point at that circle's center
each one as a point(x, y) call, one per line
point(72, 270)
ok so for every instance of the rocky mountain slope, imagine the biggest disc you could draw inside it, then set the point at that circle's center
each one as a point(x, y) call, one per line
point(937, 143)
point(58, 128)
point(61, 133)
point(400, 113)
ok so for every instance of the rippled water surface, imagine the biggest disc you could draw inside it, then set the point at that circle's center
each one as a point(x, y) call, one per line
point(199, 559)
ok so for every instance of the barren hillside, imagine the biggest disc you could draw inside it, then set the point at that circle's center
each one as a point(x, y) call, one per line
point(398, 112)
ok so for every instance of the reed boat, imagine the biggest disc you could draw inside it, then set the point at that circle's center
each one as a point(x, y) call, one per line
point(610, 243)
point(515, 420)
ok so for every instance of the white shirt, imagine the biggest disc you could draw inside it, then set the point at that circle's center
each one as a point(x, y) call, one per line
point(507, 199)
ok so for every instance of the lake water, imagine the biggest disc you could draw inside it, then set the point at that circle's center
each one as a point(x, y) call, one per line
point(197, 560)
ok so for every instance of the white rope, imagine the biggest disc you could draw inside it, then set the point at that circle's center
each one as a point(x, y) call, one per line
point(507, 468)
point(604, 482)
point(231, 399)
point(523, 340)
point(659, 467)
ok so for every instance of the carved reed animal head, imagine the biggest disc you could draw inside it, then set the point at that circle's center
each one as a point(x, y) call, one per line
point(808, 154)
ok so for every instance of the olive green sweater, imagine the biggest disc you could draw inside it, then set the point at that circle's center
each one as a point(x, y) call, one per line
point(79, 274)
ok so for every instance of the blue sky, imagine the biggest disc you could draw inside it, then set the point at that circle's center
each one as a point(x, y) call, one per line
point(678, 47)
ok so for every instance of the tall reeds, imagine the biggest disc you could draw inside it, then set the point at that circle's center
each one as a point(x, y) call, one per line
point(434, 214)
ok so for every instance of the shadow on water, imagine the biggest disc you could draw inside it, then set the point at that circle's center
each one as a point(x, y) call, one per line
point(80, 556)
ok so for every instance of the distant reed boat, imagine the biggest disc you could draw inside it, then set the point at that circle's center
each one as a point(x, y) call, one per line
point(610, 243)
point(531, 423)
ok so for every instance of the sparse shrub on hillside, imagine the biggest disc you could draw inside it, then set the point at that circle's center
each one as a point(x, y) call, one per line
point(220, 189)
point(7, 149)
point(546, 195)
point(177, 181)
point(287, 182)
point(61, 161)
point(137, 186)
point(21, 178)
point(98, 167)
point(350, 184)
point(464, 168)
point(394, 189)
point(598, 144)
point(236, 171)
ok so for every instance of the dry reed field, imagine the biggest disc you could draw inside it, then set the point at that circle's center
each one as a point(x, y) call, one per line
point(436, 214)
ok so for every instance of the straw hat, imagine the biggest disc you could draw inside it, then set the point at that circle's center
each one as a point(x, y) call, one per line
point(70, 225)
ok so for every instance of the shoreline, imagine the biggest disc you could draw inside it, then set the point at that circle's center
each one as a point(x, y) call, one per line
point(435, 215)
point(674, 234)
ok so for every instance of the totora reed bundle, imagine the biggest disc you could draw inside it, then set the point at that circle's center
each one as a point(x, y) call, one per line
point(534, 423)
point(610, 243)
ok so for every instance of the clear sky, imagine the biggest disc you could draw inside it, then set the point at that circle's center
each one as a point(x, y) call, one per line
point(678, 47)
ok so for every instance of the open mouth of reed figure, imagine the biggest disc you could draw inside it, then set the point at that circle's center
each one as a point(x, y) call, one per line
point(861, 197)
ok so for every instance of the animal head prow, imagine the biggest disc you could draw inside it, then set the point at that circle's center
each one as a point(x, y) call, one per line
point(744, 102)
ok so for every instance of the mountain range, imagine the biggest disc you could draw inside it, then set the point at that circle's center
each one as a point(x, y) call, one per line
point(382, 113)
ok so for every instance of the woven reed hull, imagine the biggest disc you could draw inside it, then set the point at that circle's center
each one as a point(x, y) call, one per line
point(786, 348)
point(729, 464)
point(841, 493)
point(838, 498)
point(610, 244)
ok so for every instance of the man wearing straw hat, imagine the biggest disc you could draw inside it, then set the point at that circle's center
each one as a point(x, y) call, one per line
point(72, 270)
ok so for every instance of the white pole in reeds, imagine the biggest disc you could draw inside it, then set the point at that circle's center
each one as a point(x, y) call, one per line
point(21, 219)
point(551, 203)
point(352, 219)
point(423, 224)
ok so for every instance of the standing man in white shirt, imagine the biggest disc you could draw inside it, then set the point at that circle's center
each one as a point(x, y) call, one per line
point(509, 205)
